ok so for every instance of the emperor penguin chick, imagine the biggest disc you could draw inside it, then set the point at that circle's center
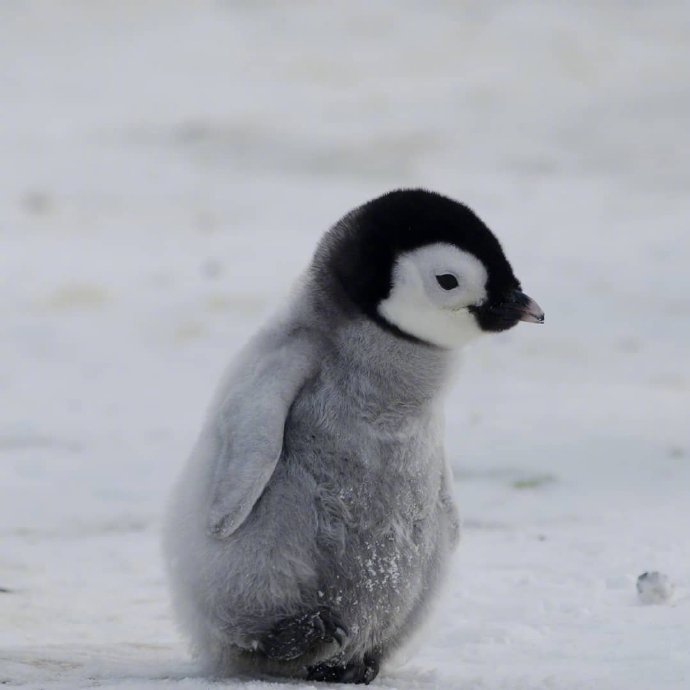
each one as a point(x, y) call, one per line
point(315, 517)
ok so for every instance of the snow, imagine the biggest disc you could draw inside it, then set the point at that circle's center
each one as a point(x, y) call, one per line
point(167, 168)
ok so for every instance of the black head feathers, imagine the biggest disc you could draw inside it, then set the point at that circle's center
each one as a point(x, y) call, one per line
point(361, 249)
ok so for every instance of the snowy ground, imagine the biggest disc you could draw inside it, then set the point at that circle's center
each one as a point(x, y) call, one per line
point(165, 171)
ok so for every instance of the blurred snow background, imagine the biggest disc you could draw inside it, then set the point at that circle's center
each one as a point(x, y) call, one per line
point(166, 168)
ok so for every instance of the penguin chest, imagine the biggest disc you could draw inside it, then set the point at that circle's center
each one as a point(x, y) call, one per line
point(377, 535)
point(376, 501)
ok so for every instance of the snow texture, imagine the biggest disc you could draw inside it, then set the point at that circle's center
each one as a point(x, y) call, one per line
point(166, 169)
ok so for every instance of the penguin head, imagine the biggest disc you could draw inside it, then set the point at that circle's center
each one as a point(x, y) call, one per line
point(426, 268)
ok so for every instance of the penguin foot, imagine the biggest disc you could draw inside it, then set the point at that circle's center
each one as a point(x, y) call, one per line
point(294, 637)
point(358, 672)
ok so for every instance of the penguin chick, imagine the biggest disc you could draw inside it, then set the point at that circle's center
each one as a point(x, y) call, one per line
point(315, 519)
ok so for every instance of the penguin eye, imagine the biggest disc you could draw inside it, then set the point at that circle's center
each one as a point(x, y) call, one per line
point(447, 281)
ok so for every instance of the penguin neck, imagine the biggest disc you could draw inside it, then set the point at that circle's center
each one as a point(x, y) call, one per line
point(407, 371)
point(386, 364)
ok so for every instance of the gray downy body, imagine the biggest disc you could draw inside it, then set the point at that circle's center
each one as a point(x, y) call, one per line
point(357, 514)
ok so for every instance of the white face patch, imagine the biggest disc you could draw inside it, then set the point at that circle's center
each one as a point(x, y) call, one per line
point(420, 306)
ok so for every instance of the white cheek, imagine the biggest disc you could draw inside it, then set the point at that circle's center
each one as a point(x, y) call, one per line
point(410, 309)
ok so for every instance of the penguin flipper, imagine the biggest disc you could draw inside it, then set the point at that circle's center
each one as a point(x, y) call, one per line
point(250, 422)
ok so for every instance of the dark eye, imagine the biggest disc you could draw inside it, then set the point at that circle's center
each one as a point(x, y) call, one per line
point(447, 281)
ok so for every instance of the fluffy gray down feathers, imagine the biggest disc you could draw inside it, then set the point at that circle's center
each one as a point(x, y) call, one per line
point(319, 479)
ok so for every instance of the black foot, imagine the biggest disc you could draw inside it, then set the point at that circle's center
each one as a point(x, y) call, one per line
point(293, 637)
point(358, 672)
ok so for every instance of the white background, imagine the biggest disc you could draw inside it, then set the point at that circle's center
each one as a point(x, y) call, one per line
point(166, 169)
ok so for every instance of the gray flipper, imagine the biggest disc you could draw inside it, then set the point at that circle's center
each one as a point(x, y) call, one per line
point(251, 414)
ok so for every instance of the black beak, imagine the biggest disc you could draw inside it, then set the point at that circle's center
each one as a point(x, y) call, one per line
point(506, 312)
point(527, 308)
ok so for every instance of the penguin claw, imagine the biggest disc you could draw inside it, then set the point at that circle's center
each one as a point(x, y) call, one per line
point(293, 637)
point(334, 628)
point(355, 672)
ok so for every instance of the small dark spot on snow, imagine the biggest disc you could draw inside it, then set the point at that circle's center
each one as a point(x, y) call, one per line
point(211, 269)
point(4, 590)
point(37, 202)
point(629, 344)
point(192, 132)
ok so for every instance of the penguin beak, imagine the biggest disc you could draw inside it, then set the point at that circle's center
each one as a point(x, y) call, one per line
point(508, 311)
point(528, 310)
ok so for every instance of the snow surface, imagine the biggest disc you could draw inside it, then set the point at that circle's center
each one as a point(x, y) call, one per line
point(165, 171)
